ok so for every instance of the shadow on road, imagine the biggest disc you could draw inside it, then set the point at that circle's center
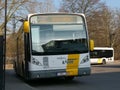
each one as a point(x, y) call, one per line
point(53, 81)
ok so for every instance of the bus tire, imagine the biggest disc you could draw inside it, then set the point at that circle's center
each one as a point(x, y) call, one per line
point(104, 61)
point(23, 71)
point(15, 68)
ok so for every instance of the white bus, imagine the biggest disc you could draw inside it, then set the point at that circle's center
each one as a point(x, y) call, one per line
point(102, 55)
point(53, 45)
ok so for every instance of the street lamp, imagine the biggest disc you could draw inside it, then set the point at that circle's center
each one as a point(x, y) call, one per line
point(4, 45)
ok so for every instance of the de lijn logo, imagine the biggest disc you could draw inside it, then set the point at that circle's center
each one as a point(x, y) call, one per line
point(69, 61)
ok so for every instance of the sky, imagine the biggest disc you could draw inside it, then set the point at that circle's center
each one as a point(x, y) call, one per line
point(57, 3)
point(111, 3)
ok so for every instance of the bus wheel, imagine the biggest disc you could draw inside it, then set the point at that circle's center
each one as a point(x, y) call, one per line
point(15, 68)
point(104, 61)
point(23, 71)
point(69, 78)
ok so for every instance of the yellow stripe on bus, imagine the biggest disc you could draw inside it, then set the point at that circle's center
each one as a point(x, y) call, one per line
point(99, 60)
point(72, 64)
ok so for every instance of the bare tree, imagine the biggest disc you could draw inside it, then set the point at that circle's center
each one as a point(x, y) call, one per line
point(23, 7)
point(12, 7)
point(35, 6)
point(101, 26)
point(80, 6)
point(116, 34)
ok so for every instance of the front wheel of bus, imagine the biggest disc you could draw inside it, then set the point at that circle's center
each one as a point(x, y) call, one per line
point(14, 66)
point(69, 78)
point(104, 61)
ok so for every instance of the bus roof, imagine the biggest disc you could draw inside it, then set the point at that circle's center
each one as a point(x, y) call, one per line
point(56, 13)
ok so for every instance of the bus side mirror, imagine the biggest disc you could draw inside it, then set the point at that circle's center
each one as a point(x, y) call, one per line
point(91, 45)
point(26, 26)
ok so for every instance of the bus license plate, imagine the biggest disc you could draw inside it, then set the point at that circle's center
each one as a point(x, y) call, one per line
point(61, 74)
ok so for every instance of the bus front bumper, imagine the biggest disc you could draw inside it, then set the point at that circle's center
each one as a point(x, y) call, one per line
point(56, 73)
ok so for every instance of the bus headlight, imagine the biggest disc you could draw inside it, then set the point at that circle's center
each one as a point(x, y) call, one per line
point(85, 59)
point(35, 61)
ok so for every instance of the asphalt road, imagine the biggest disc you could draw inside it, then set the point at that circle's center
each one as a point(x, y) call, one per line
point(103, 77)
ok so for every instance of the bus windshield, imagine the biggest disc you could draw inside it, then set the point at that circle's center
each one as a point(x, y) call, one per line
point(59, 38)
